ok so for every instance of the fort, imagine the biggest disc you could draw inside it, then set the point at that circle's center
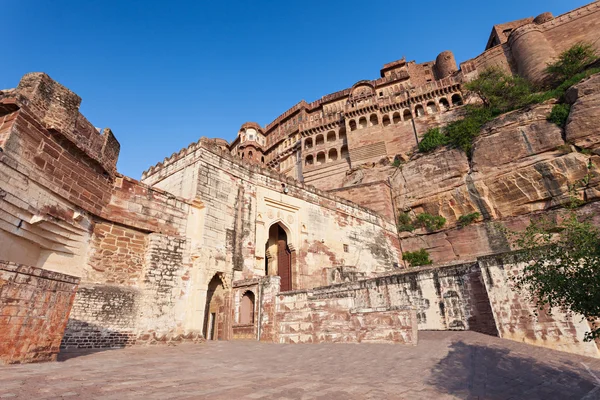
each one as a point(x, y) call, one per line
point(289, 233)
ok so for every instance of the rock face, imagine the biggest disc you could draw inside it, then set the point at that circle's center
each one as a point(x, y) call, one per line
point(582, 126)
point(521, 164)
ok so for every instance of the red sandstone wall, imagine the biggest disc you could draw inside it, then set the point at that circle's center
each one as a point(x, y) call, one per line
point(117, 254)
point(61, 201)
point(34, 308)
point(318, 317)
point(376, 195)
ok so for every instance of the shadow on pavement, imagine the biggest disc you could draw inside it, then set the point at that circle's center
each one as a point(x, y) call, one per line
point(474, 371)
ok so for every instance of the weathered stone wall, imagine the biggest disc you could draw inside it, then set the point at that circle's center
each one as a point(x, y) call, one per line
point(64, 208)
point(117, 254)
point(103, 316)
point(34, 308)
point(317, 316)
point(240, 202)
point(519, 320)
point(476, 296)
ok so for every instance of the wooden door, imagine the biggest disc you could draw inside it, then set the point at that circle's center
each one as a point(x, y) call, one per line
point(284, 265)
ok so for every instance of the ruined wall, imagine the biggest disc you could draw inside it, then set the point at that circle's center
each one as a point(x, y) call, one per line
point(34, 308)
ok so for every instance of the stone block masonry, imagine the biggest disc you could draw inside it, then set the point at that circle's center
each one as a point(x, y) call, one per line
point(102, 317)
point(34, 308)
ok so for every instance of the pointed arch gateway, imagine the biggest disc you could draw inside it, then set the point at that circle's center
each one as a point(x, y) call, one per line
point(280, 255)
point(215, 309)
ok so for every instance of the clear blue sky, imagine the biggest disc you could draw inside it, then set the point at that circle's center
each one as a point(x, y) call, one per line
point(161, 74)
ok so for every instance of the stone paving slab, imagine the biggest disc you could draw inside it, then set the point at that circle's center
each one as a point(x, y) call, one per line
point(444, 365)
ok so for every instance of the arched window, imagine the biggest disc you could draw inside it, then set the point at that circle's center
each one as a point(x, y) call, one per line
point(431, 108)
point(362, 122)
point(262, 159)
point(342, 133)
point(320, 158)
point(331, 136)
point(457, 100)
point(396, 118)
point(385, 120)
point(243, 155)
point(344, 151)
point(352, 125)
point(250, 155)
point(407, 115)
point(310, 160)
point(374, 120)
point(419, 111)
point(332, 155)
point(444, 105)
point(308, 143)
point(247, 309)
point(319, 140)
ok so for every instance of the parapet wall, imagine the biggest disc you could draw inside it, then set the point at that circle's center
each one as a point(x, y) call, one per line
point(310, 317)
point(34, 308)
point(477, 296)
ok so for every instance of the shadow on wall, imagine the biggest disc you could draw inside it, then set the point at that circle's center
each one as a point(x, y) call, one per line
point(81, 336)
point(486, 372)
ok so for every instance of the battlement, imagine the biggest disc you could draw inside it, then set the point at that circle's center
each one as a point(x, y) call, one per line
point(57, 108)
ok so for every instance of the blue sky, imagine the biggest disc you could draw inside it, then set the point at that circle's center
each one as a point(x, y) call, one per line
point(161, 74)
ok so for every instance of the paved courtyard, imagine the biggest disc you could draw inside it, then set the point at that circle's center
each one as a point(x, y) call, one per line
point(445, 365)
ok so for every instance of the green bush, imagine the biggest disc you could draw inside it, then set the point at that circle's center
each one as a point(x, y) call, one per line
point(559, 114)
point(431, 222)
point(460, 133)
point(417, 258)
point(500, 91)
point(468, 219)
point(572, 62)
point(432, 139)
point(405, 223)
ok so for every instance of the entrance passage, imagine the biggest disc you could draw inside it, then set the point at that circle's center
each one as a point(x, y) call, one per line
point(279, 261)
point(215, 301)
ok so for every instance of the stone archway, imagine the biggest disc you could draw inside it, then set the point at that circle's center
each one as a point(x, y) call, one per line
point(280, 256)
point(215, 309)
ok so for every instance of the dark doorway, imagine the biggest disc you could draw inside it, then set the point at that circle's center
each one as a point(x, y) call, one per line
point(215, 302)
point(281, 256)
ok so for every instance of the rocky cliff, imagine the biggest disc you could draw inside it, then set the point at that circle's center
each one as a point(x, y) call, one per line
point(521, 165)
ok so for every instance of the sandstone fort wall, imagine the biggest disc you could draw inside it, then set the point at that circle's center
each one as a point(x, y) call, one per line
point(34, 308)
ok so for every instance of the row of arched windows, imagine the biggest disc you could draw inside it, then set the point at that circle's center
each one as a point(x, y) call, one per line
point(323, 157)
point(331, 136)
point(406, 115)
